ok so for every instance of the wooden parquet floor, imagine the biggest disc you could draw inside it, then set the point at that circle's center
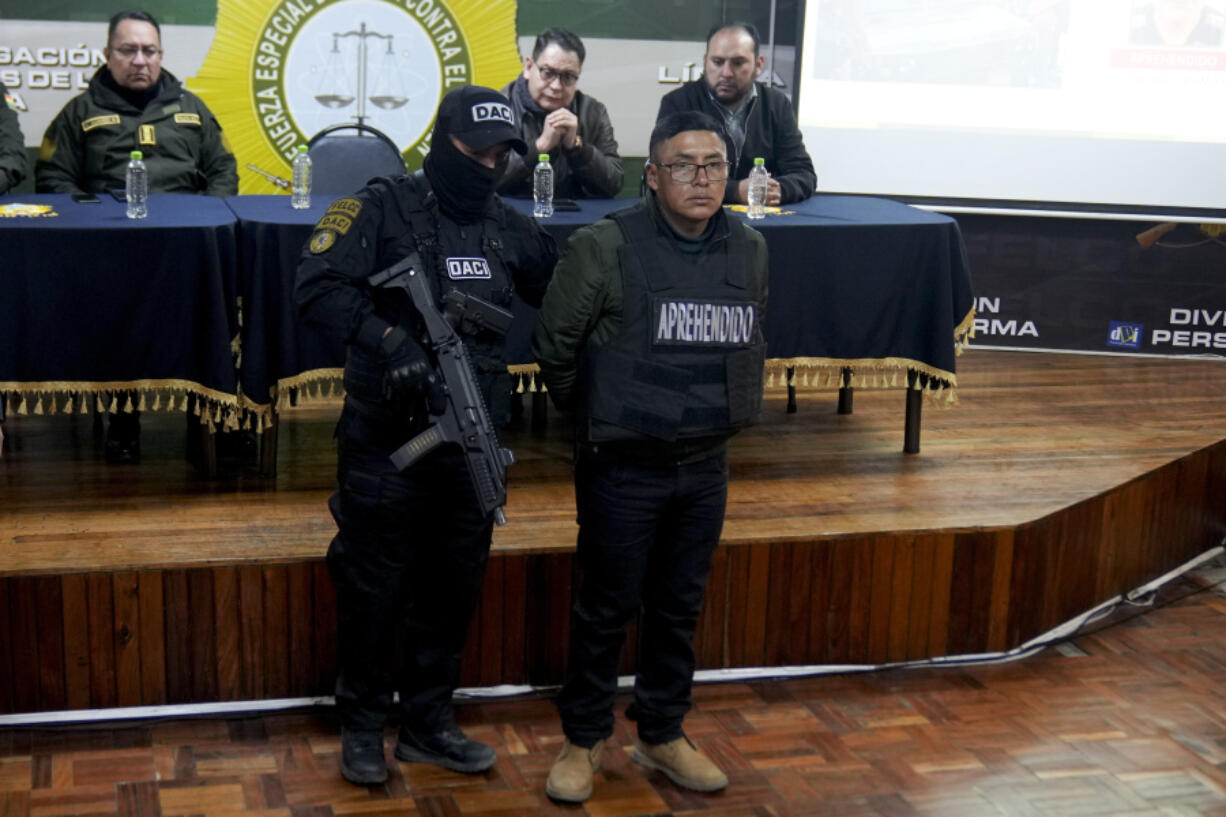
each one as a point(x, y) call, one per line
point(1127, 721)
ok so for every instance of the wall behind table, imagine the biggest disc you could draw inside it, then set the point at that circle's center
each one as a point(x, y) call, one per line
point(624, 69)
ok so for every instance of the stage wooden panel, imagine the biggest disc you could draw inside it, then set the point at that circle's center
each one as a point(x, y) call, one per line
point(1059, 481)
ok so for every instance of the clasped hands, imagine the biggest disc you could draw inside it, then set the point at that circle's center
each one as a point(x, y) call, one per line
point(560, 128)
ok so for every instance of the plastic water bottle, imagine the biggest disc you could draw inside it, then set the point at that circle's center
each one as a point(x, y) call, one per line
point(300, 187)
point(542, 187)
point(757, 189)
point(137, 182)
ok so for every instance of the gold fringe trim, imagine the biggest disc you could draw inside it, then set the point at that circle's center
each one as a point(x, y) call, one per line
point(938, 386)
point(964, 332)
point(231, 412)
point(67, 397)
point(822, 372)
point(526, 379)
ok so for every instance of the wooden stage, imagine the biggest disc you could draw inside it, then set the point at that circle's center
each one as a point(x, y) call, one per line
point(1058, 482)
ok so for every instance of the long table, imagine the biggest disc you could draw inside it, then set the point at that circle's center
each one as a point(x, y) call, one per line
point(863, 292)
point(101, 311)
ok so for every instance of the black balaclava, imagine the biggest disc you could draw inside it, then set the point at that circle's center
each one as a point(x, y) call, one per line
point(462, 185)
point(480, 118)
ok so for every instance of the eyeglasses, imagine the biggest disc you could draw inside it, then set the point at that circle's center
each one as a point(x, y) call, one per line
point(687, 172)
point(129, 52)
point(567, 78)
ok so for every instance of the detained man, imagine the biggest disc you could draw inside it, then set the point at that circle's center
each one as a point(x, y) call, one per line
point(651, 333)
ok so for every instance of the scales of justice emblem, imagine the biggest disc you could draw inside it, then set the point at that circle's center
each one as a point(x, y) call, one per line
point(390, 88)
point(280, 71)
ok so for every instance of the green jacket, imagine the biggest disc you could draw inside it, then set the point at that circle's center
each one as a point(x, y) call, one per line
point(584, 301)
point(87, 145)
point(12, 146)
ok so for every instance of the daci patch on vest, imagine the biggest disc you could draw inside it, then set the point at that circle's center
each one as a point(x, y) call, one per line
point(703, 323)
point(464, 269)
point(335, 223)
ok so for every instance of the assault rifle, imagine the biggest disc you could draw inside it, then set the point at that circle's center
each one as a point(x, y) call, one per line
point(465, 420)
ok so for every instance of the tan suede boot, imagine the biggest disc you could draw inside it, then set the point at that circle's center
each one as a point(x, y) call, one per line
point(683, 763)
point(570, 779)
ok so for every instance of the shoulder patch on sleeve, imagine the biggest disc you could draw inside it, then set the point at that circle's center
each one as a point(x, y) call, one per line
point(188, 119)
point(99, 122)
point(321, 241)
point(345, 207)
point(334, 220)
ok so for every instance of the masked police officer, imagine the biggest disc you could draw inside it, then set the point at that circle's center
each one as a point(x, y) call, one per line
point(408, 558)
point(652, 332)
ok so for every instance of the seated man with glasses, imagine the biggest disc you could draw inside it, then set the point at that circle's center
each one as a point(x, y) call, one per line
point(132, 104)
point(651, 332)
point(555, 117)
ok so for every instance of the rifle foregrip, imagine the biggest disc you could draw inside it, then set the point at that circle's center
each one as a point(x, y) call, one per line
point(484, 481)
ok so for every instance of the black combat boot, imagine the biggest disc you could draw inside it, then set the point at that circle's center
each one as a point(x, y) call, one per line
point(362, 761)
point(449, 748)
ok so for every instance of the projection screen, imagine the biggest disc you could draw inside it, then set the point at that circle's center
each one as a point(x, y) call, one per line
point(1109, 102)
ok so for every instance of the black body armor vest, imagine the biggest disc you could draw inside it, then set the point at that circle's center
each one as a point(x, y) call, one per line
point(688, 360)
point(473, 264)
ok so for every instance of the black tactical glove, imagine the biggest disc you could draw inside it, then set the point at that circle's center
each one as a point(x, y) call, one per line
point(408, 369)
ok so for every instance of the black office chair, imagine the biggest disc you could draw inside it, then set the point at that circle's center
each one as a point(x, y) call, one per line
point(345, 157)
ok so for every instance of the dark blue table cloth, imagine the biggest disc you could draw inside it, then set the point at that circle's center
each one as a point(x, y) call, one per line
point(862, 283)
point(96, 305)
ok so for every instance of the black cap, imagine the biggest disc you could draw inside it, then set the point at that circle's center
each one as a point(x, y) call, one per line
point(479, 117)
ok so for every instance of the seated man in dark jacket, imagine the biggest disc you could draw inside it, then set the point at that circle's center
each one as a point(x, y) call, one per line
point(555, 117)
point(758, 119)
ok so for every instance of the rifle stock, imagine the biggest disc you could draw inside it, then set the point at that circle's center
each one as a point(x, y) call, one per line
point(465, 420)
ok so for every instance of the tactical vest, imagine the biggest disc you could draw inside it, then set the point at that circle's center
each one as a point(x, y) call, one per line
point(476, 266)
point(689, 357)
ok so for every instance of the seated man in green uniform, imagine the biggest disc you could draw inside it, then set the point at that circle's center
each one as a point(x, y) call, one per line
point(132, 104)
point(12, 146)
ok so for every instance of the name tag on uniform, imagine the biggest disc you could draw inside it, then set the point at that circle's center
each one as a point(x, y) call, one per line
point(704, 323)
point(187, 119)
point(463, 269)
point(99, 122)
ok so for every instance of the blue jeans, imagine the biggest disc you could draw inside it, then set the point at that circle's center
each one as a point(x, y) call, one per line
point(646, 537)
